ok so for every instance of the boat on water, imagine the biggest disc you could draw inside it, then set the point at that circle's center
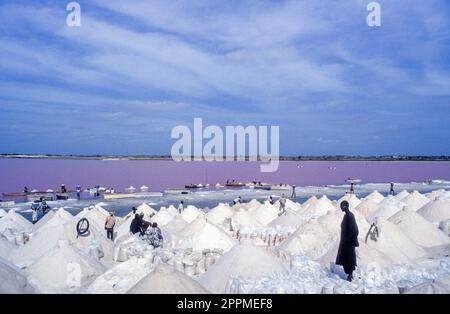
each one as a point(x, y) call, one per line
point(118, 196)
point(7, 204)
point(176, 191)
point(14, 194)
point(235, 185)
point(281, 187)
point(38, 197)
point(262, 187)
point(194, 186)
point(62, 196)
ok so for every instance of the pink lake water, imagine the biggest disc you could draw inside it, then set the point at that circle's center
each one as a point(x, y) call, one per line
point(43, 174)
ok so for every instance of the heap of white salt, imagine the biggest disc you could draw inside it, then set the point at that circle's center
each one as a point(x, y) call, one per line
point(242, 260)
point(96, 216)
point(122, 277)
point(146, 210)
point(2, 213)
point(163, 217)
point(290, 219)
point(166, 280)
point(310, 201)
point(436, 211)
point(175, 225)
point(417, 228)
point(12, 280)
point(190, 213)
point(400, 196)
point(220, 213)
point(389, 207)
point(201, 234)
point(265, 213)
point(375, 196)
point(367, 207)
point(352, 200)
point(415, 200)
point(244, 218)
point(317, 208)
point(63, 269)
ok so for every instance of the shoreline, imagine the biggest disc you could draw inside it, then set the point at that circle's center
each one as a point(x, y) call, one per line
point(281, 159)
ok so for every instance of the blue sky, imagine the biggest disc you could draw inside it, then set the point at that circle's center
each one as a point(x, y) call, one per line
point(135, 69)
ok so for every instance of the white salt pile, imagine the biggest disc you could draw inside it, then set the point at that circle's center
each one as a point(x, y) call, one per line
point(146, 210)
point(3, 213)
point(47, 217)
point(190, 213)
point(253, 204)
point(244, 218)
point(96, 216)
point(388, 207)
point(395, 244)
point(317, 208)
point(163, 217)
point(13, 226)
point(122, 277)
point(437, 193)
point(265, 213)
point(436, 211)
point(420, 230)
point(290, 219)
point(415, 200)
point(367, 207)
point(220, 213)
point(315, 238)
point(166, 280)
point(175, 225)
point(12, 280)
point(310, 201)
point(400, 196)
point(201, 234)
point(375, 196)
point(243, 260)
point(352, 200)
point(63, 269)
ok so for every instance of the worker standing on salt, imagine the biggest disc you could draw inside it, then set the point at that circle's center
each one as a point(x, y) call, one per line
point(135, 226)
point(109, 226)
point(154, 236)
point(282, 204)
point(392, 189)
point(35, 207)
point(181, 207)
point(346, 256)
point(293, 192)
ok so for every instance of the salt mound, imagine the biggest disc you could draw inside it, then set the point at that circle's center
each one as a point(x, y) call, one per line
point(175, 225)
point(13, 225)
point(63, 269)
point(253, 204)
point(96, 216)
point(146, 210)
point(433, 195)
point(310, 201)
point(367, 207)
point(220, 213)
point(166, 280)
point(200, 235)
point(352, 200)
point(316, 237)
point(420, 230)
point(395, 244)
point(12, 281)
point(190, 213)
point(436, 211)
point(389, 207)
point(318, 208)
point(290, 219)
point(400, 196)
point(47, 217)
point(265, 214)
point(2, 213)
point(172, 210)
point(415, 200)
point(163, 217)
point(244, 219)
point(242, 260)
point(375, 196)
point(290, 205)
point(122, 277)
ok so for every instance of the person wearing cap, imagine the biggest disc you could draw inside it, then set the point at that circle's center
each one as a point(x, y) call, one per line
point(346, 255)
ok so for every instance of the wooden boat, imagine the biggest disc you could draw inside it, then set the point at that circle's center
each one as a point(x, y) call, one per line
point(194, 186)
point(14, 194)
point(176, 191)
point(38, 197)
point(262, 187)
point(6, 204)
point(282, 187)
point(235, 185)
point(62, 196)
point(118, 196)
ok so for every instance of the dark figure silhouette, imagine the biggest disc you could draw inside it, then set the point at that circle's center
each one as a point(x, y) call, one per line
point(392, 189)
point(349, 241)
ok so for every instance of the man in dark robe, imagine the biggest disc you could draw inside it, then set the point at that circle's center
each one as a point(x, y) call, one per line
point(349, 241)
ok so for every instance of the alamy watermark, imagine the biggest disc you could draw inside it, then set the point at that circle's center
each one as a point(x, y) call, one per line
point(233, 146)
point(74, 17)
point(374, 17)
